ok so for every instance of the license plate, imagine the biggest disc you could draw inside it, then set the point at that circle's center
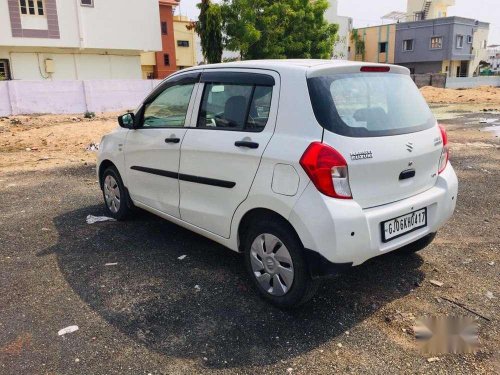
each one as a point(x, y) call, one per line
point(402, 225)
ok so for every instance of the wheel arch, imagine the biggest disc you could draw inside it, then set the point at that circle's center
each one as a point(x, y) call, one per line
point(105, 164)
point(260, 213)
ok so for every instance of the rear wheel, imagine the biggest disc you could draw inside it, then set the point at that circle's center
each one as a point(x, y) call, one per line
point(115, 195)
point(275, 262)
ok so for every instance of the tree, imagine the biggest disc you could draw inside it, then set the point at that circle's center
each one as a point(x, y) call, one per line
point(263, 29)
point(209, 29)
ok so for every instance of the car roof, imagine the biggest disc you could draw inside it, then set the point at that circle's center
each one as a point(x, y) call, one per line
point(312, 67)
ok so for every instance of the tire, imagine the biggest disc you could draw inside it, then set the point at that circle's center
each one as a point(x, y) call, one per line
point(417, 245)
point(115, 195)
point(286, 287)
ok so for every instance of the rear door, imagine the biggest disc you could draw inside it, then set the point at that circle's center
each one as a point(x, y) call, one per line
point(386, 132)
point(221, 152)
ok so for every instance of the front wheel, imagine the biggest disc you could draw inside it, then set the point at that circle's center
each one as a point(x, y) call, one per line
point(115, 195)
point(275, 262)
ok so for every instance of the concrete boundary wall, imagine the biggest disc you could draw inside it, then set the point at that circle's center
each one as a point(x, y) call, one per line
point(470, 82)
point(57, 97)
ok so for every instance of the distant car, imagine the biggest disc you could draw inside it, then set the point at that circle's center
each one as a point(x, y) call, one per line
point(308, 167)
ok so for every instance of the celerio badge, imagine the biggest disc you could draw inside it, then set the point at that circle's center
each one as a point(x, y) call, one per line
point(361, 155)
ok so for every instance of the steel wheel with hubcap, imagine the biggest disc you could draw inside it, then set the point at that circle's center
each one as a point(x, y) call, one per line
point(272, 264)
point(115, 195)
point(112, 194)
point(275, 260)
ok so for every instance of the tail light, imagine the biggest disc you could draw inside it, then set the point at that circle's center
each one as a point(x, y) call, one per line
point(445, 153)
point(327, 169)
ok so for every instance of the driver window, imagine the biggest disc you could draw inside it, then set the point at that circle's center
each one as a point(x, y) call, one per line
point(234, 107)
point(169, 109)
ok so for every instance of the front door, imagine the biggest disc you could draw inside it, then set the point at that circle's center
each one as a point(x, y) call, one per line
point(152, 151)
point(221, 154)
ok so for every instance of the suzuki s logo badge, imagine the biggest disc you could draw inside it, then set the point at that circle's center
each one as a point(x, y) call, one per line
point(409, 147)
point(361, 155)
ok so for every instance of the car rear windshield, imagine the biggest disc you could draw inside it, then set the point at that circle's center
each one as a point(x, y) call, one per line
point(369, 104)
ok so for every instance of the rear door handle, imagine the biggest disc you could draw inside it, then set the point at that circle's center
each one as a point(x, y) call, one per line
point(172, 140)
point(247, 144)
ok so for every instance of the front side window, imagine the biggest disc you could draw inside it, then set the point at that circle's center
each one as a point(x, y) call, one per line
point(168, 109)
point(382, 47)
point(32, 7)
point(87, 3)
point(436, 42)
point(408, 45)
point(164, 29)
point(183, 43)
point(369, 104)
point(243, 107)
point(166, 59)
point(460, 41)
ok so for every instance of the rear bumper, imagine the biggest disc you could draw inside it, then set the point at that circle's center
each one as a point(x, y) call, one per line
point(342, 232)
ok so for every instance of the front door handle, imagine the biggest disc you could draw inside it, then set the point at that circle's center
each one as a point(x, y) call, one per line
point(172, 140)
point(247, 144)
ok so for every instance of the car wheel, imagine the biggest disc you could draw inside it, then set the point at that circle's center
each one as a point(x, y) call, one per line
point(115, 195)
point(275, 261)
point(418, 245)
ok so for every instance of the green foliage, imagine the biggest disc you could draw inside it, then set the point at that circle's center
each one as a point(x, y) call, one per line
point(267, 29)
point(209, 29)
point(88, 114)
point(359, 44)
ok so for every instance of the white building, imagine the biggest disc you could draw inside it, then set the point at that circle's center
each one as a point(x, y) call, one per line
point(418, 10)
point(494, 58)
point(76, 39)
point(340, 49)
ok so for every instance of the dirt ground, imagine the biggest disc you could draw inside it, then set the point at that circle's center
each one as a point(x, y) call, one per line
point(136, 304)
point(43, 142)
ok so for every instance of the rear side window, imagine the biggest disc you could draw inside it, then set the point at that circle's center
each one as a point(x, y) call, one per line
point(229, 106)
point(369, 104)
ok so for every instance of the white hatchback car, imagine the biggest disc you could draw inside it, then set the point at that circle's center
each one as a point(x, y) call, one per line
point(308, 167)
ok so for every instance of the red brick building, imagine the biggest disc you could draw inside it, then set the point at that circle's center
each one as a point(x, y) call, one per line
point(166, 59)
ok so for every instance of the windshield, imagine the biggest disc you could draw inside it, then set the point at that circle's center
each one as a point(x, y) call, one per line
point(369, 104)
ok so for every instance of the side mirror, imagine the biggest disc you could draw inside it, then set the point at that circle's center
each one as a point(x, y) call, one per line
point(127, 120)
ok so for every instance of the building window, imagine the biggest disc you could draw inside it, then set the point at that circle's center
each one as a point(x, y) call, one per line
point(418, 16)
point(408, 45)
point(469, 39)
point(32, 7)
point(164, 29)
point(87, 3)
point(382, 47)
point(460, 41)
point(436, 42)
point(166, 59)
point(4, 70)
point(182, 43)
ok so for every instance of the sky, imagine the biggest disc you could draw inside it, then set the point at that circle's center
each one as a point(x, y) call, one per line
point(369, 12)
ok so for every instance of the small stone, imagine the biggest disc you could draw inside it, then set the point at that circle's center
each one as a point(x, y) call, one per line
point(432, 359)
point(491, 263)
point(339, 345)
point(289, 370)
point(182, 257)
point(436, 283)
point(467, 261)
point(205, 358)
point(197, 288)
point(490, 295)
point(77, 360)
